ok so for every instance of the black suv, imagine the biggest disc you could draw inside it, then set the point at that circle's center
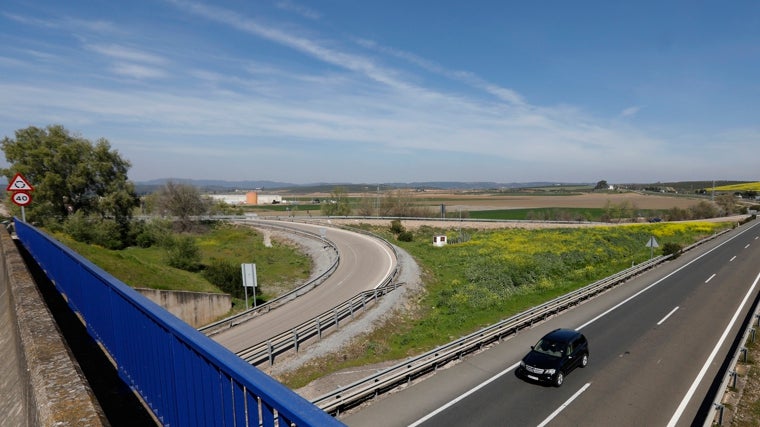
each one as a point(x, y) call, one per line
point(554, 356)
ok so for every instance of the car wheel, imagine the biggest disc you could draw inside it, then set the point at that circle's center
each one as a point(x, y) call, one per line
point(559, 379)
point(584, 361)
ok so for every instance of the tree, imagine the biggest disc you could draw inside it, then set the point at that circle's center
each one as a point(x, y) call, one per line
point(182, 201)
point(337, 204)
point(727, 202)
point(601, 185)
point(70, 174)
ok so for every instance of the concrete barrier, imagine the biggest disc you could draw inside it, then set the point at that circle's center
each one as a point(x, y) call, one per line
point(195, 308)
point(40, 383)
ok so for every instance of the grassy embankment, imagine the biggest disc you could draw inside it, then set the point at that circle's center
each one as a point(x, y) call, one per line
point(494, 275)
point(278, 267)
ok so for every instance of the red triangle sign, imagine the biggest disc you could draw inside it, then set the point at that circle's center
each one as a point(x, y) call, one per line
point(19, 183)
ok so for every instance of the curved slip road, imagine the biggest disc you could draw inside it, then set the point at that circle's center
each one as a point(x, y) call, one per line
point(365, 262)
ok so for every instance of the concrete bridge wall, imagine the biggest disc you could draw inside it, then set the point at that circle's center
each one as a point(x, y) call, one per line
point(40, 383)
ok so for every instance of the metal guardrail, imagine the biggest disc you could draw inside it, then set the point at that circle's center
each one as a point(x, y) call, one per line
point(226, 323)
point(367, 388)
point(184, 377)
point(314, 328)
point(386, 380)
point(715, 414)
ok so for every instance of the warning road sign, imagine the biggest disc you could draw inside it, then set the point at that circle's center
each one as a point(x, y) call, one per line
point(19, 183)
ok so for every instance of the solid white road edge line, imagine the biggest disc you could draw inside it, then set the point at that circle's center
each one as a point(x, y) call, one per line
point(625, 301)
point(564, 405)
point(666, 316)
point(463, 396)
point(703, 371)
point(500, 374)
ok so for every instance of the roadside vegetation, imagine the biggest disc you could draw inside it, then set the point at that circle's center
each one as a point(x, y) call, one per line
point(745, 411)
point(743, 187)
point(493, 274)
point(83, 197)
point(208, 261)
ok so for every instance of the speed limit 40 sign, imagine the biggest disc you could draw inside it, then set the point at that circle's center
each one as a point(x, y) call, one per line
point(22, 198)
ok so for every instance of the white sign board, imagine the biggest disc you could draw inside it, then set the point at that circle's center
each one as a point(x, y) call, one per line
point(249, 275)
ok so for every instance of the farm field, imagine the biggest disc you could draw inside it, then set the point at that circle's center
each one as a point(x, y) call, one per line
point(299, 204)
point(454, 201)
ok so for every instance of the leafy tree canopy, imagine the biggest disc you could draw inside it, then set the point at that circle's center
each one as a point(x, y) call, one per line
point(182, 201)
point(338, 204)
point(70, 174)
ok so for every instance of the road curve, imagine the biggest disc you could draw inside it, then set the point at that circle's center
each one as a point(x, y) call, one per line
point(365, 262)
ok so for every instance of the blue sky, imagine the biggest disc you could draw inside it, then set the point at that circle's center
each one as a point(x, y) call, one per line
point(394, 91)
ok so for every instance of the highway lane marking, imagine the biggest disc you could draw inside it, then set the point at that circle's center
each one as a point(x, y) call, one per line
point(710, 278)
point(463, 396)
point(746, 246)
point(564, 405)
point(666, 316)
point(689, 394)
point(732, 258)
point(625, 301)
point(504, 372)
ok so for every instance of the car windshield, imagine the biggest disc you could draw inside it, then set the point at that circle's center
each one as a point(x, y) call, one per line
point(552, 348)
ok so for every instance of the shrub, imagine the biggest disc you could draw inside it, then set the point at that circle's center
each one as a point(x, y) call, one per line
point(397, 227)
point(672, 249)
point(184, 254)
point(94, 230)
point(226, 276)
point(77, 226)
point(107, 233)
point(406, 236)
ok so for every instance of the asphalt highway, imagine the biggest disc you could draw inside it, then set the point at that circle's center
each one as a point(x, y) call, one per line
point(656, 345)
point(365, 262)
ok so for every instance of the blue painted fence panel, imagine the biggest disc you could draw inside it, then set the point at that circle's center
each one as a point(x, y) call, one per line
point(186, 378)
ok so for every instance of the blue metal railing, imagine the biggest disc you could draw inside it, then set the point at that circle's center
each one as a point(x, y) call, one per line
point(184, 377)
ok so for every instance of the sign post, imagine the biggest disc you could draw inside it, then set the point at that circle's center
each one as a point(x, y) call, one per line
point(651, 244)
point(21, 192)
point(249, 281)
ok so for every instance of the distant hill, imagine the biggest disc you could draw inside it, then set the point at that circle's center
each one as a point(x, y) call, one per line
point(145, 187)
point(221, 186)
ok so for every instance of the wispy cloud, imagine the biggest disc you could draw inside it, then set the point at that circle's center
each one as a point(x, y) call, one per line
point(299, 9)
point(137, 71)
point(72, 24)
point(303, 44)
point(505, 94)
point(630, 112)
point(353, 103)
point(124, 53)
point(131, 62)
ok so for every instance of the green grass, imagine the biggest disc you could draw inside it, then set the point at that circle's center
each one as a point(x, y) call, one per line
point(564, 214)
point(140, 268)
point(554, 214)
point(493, 275)
point(280, 266)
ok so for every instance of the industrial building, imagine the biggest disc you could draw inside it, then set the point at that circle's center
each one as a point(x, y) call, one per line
point(250, 198)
